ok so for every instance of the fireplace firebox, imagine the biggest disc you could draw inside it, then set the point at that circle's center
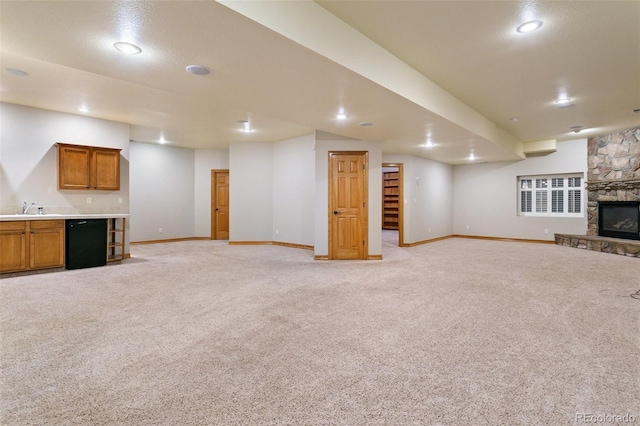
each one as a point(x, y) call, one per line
point(619, 219)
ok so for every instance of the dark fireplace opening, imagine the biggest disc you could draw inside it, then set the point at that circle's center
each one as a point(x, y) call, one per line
point(619, 219)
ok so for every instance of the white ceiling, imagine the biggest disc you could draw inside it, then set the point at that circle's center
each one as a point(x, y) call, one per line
point(456, 70)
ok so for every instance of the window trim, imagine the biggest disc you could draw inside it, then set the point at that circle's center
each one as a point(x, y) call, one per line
point(536, 186)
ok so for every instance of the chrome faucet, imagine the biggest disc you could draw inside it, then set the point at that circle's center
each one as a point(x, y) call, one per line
point(25, 207)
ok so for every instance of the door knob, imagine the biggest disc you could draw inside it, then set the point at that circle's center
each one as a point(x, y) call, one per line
point(336, 212)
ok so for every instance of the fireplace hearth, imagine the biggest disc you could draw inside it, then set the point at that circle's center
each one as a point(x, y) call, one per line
point(619, 219)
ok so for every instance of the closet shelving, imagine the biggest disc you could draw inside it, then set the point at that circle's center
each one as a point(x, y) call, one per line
point(390, 200)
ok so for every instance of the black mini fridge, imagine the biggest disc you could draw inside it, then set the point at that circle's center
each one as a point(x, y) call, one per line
point(86, 243)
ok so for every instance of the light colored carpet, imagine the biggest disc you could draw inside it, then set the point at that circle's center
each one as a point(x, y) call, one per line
point(457, 332)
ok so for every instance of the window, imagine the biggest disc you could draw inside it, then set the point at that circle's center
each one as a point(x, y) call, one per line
point(556, 195)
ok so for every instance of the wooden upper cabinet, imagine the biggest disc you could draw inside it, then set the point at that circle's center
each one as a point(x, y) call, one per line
point(88, 167)
point(74, 167)
point(106, 168)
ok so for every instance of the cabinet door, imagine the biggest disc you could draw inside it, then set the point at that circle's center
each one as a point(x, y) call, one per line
point(13, 246)
point(106, 169)
point(74, 165)
point(46, 248)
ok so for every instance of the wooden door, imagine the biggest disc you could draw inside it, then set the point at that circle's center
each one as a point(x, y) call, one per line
point(106, 169)
point(348, 205)
point(220, 204)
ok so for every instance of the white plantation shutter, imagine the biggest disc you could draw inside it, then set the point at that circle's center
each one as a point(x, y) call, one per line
point(541, 195)
point(541, 183)
point(575, 195)
point(575, 201)
point(526, 195)
point(541, 201)
point(526, 201)
point(558, 195)
point(557, 201)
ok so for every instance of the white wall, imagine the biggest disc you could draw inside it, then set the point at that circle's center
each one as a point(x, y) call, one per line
point(162, 192)
point(205, 161)
point(486, 195)
point(374, 149)
point(294, 190)
point(251, 191)
point(428, 197)
point(29, 161)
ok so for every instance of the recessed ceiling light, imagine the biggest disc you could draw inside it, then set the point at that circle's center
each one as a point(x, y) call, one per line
point(562, 101)
point(341, 116)
point(576, 129)
point(246, 126)
point(16, 72)
point(527, 27)
point(429, 144)
point(515, 119)
point(472, 156)
point(366, 124)
point(128, 48)
point(83, 108)
point(198, 70)
point(162, 140)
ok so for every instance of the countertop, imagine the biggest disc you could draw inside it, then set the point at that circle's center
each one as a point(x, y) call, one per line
point(53, 216)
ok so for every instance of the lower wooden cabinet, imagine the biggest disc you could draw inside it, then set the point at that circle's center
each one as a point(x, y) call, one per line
point(31, 244)
point(13, 246)
point(46, 244)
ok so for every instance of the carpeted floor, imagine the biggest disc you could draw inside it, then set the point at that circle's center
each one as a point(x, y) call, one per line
point(457, 332)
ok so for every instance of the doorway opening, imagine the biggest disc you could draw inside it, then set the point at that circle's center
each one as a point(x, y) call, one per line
point(392, 204)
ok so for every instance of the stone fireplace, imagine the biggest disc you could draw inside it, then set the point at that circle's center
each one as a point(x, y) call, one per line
point(613, 179)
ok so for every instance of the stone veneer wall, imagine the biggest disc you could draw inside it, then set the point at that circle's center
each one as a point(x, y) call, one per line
point(606, 245)
point(613, 172)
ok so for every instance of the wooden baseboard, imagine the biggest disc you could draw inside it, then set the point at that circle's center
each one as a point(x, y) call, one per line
point(514, 240)
point(250, 243)
point(168, 240)
point(270, 243)
point(293, 245)
point(326, 257)
point(433, 240)
point(477, 237)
